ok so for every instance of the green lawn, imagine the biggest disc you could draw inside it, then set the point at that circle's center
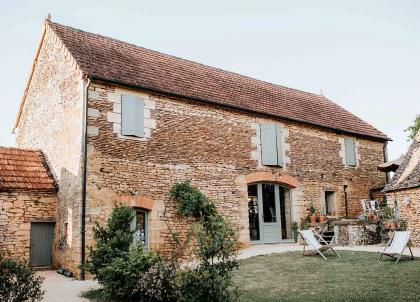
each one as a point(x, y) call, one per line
point(357, 276)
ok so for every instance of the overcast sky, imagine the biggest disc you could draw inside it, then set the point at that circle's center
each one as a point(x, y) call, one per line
point(364, 55)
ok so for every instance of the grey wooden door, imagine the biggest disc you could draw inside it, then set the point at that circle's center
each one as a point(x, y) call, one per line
point(41, 243)
point(271, 213)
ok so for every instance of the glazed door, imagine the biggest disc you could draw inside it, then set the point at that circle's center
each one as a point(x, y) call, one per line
point(271, 213)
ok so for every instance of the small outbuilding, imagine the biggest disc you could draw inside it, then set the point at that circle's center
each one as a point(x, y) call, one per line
point(28, 203)
point(403, 191)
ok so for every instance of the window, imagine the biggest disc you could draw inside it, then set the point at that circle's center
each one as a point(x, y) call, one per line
point(139, 226)
point(350, 150)
point(132, 115)
point(271, 145)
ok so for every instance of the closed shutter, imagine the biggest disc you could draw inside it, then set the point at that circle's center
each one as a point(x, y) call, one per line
point(132, 115)
point(269, 144)
point(350, 149)
point(279, 140)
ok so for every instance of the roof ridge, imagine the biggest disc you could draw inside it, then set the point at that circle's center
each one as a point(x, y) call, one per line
point(183, 59)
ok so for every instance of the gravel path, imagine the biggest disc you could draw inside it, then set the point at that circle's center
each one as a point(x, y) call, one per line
point(59, 288)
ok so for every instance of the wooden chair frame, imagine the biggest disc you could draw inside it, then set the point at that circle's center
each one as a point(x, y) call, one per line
point(320, 250)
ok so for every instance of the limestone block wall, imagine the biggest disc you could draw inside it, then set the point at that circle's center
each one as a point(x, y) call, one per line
point(216, 149)
point(408, 202)
point(17, 211)
point(52, 120)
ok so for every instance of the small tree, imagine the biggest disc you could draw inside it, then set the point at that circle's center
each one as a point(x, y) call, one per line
point(18, 283)
point(215, 248)
point(124, 270)
point(414, 128)
point(112, 241)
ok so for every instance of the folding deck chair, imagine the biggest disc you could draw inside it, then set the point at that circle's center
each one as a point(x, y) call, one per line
point(309, 238)
point(396, 246)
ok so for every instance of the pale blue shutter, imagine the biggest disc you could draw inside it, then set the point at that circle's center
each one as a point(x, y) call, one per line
point(139, 118)
point(350, 149)
point(132, 115)
point(279, 140)
point(269, 144)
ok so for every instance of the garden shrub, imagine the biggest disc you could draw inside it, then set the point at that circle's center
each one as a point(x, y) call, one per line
point(18, 283)
point(127, 273)
point(215, 248)
point(159, 283)
point(120, 278)
point(112, 241)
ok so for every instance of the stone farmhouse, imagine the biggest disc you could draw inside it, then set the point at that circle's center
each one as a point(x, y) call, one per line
point(119, 123)
point(403, 191)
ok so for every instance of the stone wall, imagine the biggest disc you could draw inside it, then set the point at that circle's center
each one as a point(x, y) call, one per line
point(51, 120)
point(17, 211)
point(216, 149)
point(408, 202)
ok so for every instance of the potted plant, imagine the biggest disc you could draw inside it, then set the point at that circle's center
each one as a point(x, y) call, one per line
point(401, 224)
point(322, 216)
point(312, 217)
point(393, 224)
point(362, 217)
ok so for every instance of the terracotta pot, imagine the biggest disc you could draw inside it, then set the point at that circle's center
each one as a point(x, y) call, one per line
point(398, 225)
point(317, 217)
point(322, 218)
point(393, 225)
point(312, 219)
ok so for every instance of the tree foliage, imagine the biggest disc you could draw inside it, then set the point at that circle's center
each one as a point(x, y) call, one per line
point(414, 128)
point(18, 283)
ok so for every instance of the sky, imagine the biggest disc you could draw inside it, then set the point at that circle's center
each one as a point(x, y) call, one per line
point(363, 55)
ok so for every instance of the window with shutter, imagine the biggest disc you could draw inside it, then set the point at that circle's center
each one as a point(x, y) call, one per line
point(132, 115)
point(271, 145)
point(350, 150)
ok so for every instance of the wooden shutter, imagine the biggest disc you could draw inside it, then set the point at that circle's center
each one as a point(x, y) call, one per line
point(132, 115)
point(279, 140)
point(269, 145)
point(350, 149)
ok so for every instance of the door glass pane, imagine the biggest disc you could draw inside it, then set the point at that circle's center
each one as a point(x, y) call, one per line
point(253, 212)
point(269, 203)
point(140, 227)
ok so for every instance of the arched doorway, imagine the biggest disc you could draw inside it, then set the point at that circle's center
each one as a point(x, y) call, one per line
point(270, 213)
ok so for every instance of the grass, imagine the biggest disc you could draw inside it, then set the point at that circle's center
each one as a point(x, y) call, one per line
point(357, 276)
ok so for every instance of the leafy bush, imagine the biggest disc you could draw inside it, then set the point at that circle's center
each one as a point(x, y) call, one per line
point(112, 241)
point(127, 273)
point(191, 202)
point(120, 278)
point(159, 283)
point(18, 283)
point(215, 248)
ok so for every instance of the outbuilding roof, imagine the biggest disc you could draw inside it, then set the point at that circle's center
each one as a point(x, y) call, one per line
point(24, 170)
point(408, 174)
point(115, 61)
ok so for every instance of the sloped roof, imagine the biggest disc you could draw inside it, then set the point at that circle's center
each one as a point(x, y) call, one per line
point(392, 165)
point(24, 170)
point(408, 174)
point(119, 62)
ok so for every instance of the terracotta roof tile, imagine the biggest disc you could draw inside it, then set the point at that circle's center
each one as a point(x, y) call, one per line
point(22, 169)
point(112, 60)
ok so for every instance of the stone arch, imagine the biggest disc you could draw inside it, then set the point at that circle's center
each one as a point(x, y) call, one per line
point(271, 177)
point(137, 201)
